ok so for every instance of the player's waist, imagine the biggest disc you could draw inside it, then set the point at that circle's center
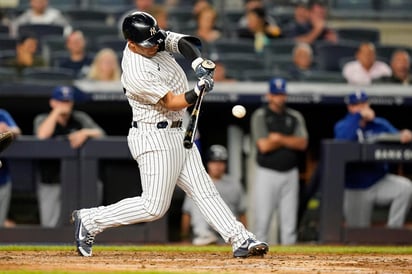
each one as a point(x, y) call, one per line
point(159, 125)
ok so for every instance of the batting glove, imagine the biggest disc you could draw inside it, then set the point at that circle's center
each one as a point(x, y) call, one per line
point(203, 67)
point(205, 83)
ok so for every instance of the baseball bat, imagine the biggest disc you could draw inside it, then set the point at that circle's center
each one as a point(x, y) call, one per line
point(193, 121)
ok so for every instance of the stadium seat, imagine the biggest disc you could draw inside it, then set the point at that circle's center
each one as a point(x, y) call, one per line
point(180, 18)
point(114, 42)
point(386, 51)
point(328, 55)
point(111, 6)
point(257, 75)
point(235, 64)
point(6, 55)
point(323, 76)
point(280, 46)
point(4, 30)
point(7, 43)
point(53, 74)
point(85, 16)
point(41, 30)
point(352, 5)
point(7, 74)
point(233, 46)
point(359, 34)
point(92, 31)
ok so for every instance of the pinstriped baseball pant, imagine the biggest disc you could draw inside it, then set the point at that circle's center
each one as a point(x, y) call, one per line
point(163, 163)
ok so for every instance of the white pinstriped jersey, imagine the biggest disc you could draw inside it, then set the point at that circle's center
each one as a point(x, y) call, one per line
point(147, 80)
point(163, 160)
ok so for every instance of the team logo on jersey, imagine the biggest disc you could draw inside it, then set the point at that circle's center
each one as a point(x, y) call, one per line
point(152, 31)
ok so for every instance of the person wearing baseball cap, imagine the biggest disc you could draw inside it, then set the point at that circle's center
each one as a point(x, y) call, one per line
point(230, 189)
point(280, 136)
point(368, 184)
point(61, 121)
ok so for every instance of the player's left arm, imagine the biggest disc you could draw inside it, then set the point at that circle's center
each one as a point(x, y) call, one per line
point(189, 47)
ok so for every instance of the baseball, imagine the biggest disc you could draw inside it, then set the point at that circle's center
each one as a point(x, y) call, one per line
point(239, 111)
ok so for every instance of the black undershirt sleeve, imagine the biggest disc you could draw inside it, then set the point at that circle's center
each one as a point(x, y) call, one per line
point(189, 47)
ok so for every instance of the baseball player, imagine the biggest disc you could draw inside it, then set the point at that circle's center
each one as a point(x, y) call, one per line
point(279, 134)
point(158, 93)
point(370, 184)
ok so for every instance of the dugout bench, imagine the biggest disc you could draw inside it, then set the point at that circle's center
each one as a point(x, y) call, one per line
point(335, 155)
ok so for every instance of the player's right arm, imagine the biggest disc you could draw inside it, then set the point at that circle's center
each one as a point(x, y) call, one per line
point(346, 129)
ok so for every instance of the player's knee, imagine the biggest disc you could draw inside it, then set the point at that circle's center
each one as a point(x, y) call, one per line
point(156, 212)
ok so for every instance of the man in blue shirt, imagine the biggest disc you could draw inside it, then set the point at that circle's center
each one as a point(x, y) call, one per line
point(6, 124)
point(367, 184)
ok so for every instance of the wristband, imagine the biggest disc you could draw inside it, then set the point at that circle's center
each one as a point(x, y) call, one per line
point(191, 96)
point(196, 62)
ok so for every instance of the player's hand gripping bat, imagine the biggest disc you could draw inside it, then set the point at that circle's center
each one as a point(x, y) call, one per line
point(194, 117)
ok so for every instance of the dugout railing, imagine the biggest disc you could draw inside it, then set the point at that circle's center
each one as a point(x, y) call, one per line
point(79, 189)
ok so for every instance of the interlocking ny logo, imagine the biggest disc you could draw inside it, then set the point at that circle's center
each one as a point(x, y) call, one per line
point(152, 31)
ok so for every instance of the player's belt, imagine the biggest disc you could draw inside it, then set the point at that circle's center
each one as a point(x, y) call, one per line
point(162, 124)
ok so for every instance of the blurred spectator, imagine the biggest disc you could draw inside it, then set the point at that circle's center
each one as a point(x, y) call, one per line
point(105, 66)
point(199, 5)
point(301, 21)
point(259, 29)
point(280, 135)
point(369, 184)
point(139, 5)
point(309, 24)
point(26, 55)
point(61, 122)
point(365, 68)
point(161, 15)
point(250, 5)
point(78, 61)
point(229, 188)
point(40, 13)
point(302, 61)
point(206, 28)
point(7, 123)
point(220, 74)
point(401, 66)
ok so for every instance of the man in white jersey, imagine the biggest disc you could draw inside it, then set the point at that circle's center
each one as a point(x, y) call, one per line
point(158, 93)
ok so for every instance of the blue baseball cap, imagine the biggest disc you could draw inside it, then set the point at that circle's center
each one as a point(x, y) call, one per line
point(357, 97)
point(63, 93)
point(277, 86)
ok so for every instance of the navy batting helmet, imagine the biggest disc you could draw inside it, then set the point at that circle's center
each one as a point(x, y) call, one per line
point(141, 28)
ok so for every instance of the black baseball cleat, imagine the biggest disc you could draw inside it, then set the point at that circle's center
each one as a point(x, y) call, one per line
point(84, 240)
point(251, 248)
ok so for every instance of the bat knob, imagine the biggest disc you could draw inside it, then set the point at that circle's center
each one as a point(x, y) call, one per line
point(187, 144)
